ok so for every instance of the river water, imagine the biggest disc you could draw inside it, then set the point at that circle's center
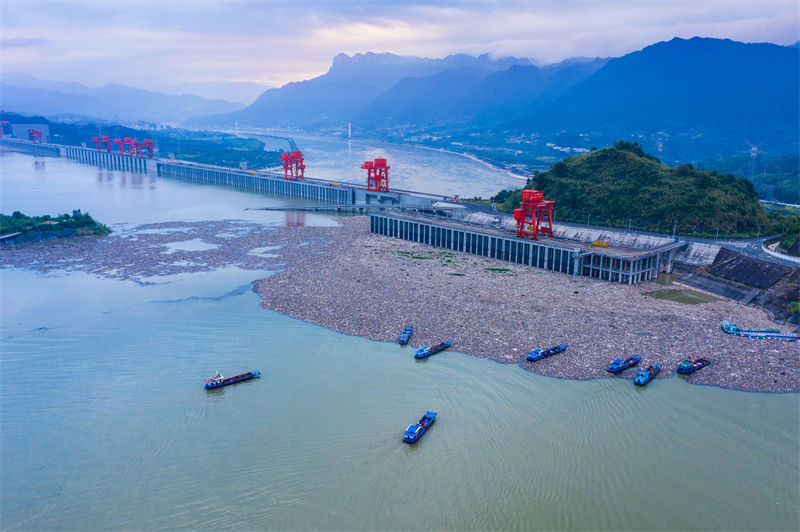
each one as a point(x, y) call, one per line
point(411, 167)
point(106, 425)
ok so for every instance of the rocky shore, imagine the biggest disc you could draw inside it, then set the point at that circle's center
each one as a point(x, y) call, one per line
point(351, 281)
point(368, 285)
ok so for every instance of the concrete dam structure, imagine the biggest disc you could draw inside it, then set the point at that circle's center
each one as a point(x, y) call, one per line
point(614, 264)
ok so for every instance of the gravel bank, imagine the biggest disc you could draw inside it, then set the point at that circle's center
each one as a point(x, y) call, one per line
point(351, 281)
point(372, 286)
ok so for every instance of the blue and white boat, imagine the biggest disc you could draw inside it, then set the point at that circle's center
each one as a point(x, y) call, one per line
point(413, 432)
point(405, 335)
point(619, 365)
point(646, 375)
point(218, 380)
point(538, 354)
point(426, 351)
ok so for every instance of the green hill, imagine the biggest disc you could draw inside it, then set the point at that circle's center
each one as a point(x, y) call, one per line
point(621, 185)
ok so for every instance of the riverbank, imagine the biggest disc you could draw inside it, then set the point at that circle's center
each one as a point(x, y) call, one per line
point(349, 280)
point(362, 284)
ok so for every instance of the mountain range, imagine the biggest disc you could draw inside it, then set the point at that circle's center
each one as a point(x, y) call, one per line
point(684, 99)
point(351, 84)
point(693, 98)
point(30, 95)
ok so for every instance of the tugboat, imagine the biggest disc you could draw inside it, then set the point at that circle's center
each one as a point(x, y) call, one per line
point(218, 380)
point(689, 365)
point(618, 364)
point(405, 335)
point(426, 351)
point(413, 432)
point(538, 354)
point(646, 375)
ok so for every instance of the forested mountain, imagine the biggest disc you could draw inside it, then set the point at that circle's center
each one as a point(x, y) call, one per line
point(719, 92)
point(621, 184)
point(696, 98)
point(351, 84)
point(776, 178)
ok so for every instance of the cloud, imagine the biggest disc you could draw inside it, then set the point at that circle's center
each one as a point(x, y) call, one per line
point(24, 42)
point(167, 42)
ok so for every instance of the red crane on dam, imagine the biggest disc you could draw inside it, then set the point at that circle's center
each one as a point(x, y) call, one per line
point(293, 165)
point(377, 175)
point(136, 149)
point(148, 143)
point(102, 141)
point(118, 142)
point(35, 134)
point(535, 215)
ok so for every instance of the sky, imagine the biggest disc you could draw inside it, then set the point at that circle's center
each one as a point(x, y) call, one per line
point(152, 44)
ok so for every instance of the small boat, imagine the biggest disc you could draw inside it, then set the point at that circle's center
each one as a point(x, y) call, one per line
point(218, 380)
point(538, 354)
point(689, 365)
point(426, 351)
point(405, 335)
point(618, 364)
point(413, 432)
point(646, 375)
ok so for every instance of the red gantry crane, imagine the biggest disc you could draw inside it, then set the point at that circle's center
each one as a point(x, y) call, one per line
point(377, 175)
point(535, 215)
point(293, 165)
point(102, 141)
point(35, 134)
point(148, 143)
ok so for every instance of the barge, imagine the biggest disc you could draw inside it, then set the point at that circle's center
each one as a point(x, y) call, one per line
point(217, 381)
point(426, 351)
point(539, 354)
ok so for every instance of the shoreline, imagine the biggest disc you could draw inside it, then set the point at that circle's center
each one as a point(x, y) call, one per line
point(351, 281)
point(372, 286)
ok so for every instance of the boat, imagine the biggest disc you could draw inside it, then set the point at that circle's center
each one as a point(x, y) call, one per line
point(618, 364)
point(413, 432)
point(689, 365)
point(538, 354)
point(218, 380)
point(426, 351)
point(776, 334)
point(405, 335)
point(646, 375)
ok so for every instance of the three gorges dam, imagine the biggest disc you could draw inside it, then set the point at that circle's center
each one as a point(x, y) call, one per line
point(531, 237)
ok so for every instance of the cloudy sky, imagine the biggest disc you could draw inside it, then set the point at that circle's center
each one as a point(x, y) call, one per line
point(151, 44)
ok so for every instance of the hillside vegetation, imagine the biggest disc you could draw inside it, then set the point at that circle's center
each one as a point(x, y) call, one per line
point(621, 185)
point(80, 223)
point(775, 178)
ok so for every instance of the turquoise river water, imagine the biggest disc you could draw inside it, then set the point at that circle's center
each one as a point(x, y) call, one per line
point(105, 423)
